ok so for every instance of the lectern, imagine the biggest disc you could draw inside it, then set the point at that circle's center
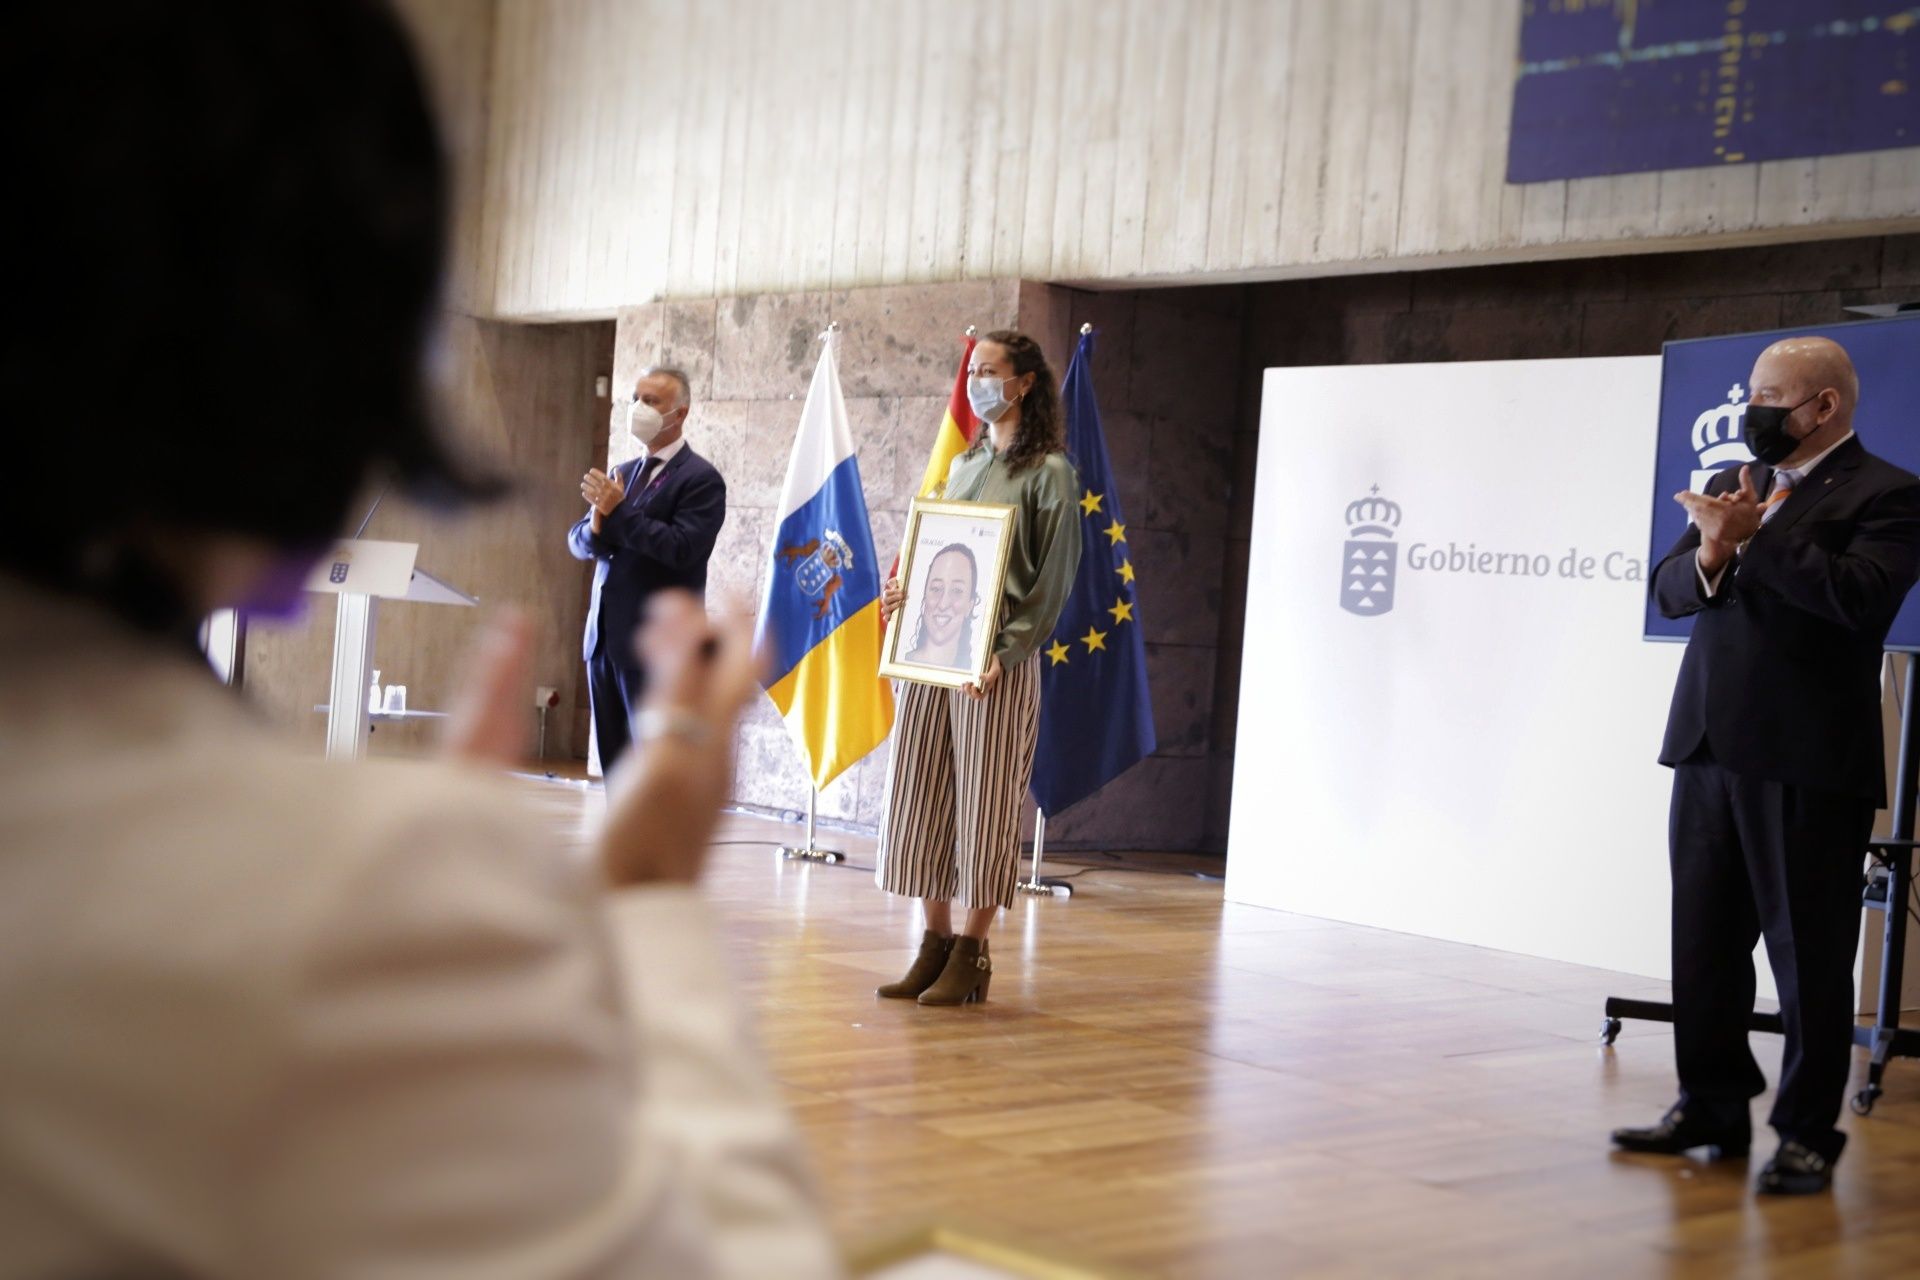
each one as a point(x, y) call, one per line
point(362, 573)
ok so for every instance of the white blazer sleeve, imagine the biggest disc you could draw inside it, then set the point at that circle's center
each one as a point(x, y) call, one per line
point(471, 1087)
point(709, 1098)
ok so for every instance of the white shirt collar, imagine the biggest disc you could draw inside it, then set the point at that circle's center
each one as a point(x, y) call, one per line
point(666, 453)
point(1805, 469)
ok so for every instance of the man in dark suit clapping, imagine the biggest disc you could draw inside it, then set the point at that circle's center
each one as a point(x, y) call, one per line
point(650, 526)
point(1794, 568)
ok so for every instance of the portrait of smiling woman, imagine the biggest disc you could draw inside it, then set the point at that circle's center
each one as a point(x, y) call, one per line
point(950, 601)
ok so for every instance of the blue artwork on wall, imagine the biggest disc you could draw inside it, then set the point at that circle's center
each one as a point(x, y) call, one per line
point(1631, 86)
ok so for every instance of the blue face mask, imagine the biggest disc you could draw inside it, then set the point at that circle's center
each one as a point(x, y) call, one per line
point(988, 398)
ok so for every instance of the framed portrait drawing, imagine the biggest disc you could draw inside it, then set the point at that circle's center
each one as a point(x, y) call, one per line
point(954, 566)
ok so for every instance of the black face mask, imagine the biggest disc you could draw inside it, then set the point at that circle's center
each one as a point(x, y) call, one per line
point(1766, 431)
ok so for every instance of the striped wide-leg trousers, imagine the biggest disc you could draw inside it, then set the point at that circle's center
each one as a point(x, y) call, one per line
point(958, 777)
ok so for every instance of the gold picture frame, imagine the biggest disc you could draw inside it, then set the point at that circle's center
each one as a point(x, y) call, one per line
point(943, 634)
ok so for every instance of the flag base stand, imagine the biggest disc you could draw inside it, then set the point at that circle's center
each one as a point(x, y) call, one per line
point(811, 852)
point(1039, 886)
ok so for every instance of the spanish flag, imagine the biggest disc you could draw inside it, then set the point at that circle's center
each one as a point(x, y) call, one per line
point(819, 628)
point(958, 426)
point(957, 429)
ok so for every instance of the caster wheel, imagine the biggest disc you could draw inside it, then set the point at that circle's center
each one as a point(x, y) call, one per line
point(1609, 1030)
point(1863, 1101)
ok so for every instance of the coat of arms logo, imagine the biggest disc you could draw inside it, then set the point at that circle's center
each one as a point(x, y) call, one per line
point(817, 566)
point(1720, 437)
point(1371, 555)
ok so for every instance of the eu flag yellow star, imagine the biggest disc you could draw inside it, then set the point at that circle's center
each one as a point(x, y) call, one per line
point(1122, 611)
point(1126, 572)
point(1059, 653)
point(1094, 639)
point(1118, 532)
point(1091, 503)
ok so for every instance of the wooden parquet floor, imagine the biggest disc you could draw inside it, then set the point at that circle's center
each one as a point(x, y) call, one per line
point(1168, 1084)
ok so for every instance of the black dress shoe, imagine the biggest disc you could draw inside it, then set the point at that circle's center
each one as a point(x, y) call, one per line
point(1795, 1171)
point(1676, 1133)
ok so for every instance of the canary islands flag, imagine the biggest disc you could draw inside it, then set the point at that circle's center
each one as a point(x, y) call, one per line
point(819, 629)
point(1096, 719)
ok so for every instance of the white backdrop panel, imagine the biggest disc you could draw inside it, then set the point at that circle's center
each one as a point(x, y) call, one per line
point(1477, 763)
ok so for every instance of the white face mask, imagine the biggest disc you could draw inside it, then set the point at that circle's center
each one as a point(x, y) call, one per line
point(988, 397)
point(644, 423)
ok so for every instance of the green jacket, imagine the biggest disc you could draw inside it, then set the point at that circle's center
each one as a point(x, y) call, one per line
point(1045, 552)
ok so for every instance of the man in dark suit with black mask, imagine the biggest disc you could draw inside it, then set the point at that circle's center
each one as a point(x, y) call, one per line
point(1793, 568)
point(650, 526)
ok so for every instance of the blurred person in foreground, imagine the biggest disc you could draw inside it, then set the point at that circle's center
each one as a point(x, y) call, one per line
point(268, 1016)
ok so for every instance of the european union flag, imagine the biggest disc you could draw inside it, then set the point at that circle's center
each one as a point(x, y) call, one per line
point(1096, 720)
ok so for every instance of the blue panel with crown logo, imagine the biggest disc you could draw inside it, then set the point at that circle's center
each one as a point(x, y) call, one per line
point(1703, 395)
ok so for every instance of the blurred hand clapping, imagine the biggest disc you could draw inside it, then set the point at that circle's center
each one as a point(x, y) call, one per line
point(663, 800)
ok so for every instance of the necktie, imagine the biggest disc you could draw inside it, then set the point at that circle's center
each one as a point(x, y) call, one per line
point(643, 477)
point(1783, 482)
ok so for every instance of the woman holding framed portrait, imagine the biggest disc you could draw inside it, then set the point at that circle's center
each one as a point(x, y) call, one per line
point(984, 575)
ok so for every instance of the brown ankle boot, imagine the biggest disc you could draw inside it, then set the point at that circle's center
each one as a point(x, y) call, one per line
point(969, 970)
point(927, 967)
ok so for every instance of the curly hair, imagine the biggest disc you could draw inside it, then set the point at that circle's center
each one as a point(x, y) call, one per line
point(1040, 430)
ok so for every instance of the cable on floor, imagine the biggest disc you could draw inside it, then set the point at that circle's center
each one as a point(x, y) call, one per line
point(1083, 867)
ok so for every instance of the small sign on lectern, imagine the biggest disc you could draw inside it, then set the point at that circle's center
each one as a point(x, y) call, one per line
point(362, 567)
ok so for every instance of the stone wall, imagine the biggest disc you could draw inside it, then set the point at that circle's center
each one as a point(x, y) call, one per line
point(750, 360)
point(1165, 372)
point(1584, 307)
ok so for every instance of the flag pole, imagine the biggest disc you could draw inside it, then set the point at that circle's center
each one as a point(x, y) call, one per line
point(1040, 887)
point(811, 852)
